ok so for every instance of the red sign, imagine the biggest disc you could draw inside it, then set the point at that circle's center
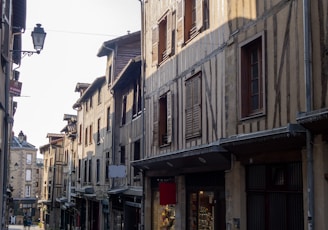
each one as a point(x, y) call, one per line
point(15, 88)
point(167, 193)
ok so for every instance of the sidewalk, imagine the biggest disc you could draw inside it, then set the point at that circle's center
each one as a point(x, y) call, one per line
point(21, 227)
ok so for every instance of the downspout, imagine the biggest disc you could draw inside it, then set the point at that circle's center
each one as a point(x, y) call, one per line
point(142, 219)
point(308, 86)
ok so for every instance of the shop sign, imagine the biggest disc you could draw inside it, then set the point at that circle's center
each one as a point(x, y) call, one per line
point(15, 88)
point(167, 193)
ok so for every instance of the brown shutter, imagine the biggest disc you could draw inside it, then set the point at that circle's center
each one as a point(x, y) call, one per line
point(169, 116)
point(155, 45)
point(199, 14)
point(197, 99)
point(180, 22)
point(188, 109)
point(155, 122)
point(169, 34)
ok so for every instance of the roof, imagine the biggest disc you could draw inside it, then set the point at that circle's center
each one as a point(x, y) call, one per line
point(130, 71)
point(15, 143)
point(90, 90)
point(108, 46)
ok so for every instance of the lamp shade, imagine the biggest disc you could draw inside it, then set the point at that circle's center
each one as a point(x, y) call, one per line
point(38, 36)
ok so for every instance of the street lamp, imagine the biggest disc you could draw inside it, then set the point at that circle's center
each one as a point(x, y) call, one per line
point(38, 37)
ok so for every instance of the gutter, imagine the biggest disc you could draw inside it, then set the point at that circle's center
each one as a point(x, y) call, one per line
point(308, 92)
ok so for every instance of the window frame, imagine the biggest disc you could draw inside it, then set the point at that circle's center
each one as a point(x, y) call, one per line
point(193, 106)
point(257, 43)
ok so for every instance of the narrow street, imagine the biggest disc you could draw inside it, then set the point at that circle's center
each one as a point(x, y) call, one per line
point(19, 227)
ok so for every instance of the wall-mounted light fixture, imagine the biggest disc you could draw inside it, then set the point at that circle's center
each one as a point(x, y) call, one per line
point(38, 37)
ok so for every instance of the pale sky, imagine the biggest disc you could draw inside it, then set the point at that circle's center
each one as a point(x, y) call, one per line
point(75, 31)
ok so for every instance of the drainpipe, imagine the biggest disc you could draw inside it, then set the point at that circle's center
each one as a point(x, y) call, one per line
point(308, 85)
point(142, 5)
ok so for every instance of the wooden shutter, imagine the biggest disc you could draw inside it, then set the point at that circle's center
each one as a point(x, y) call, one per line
point(169, 33)
point(188, 109)
point(155, 45)
point(180, 22)
point(199, 14)
point(155, 122)
point(197, 99)
point(169, 116)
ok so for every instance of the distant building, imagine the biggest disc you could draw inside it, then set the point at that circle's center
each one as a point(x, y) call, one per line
point(24, 179)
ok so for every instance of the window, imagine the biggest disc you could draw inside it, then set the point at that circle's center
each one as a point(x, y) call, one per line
point(98, 171)
point(90, 102)
point(90, 171)
point(80, 134)
point(98, 131)
point(90, 135)
point(162, 39)
point(193, 106)
point(107, 166)
point(28, 191)
point(123, 118)
point(86, 137)
point(28, 159)
point(28, 175)
point(192, 18)
point(137, 97)
point(108, 119)
point(85, 170)
point(137, 150)
point(274, 196)
point(163, 119)
point(99, 96)
point(251, 74)
point(122, 157)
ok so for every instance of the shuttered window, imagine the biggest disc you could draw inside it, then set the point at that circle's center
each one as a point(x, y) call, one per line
point(162, 39)
point(192, 18)
point(193, 106)
point(274, 196)
point(162, 126)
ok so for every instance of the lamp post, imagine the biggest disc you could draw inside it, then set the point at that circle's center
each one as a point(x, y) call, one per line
point(38, 38)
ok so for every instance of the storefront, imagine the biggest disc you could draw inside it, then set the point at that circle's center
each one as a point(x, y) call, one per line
point(186, 189)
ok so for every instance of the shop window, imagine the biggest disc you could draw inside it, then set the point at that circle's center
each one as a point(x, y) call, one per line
point(274, 196)
point(202, 210)
point(163, 120)
point(252, 77)
point(193, 106)
point(163, 209)
point(192, 18)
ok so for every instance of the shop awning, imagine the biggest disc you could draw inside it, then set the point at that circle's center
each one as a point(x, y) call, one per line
point(290, 137)
point(116, 191)
point(25, 200)
point(201, 158)
point(316, 121)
